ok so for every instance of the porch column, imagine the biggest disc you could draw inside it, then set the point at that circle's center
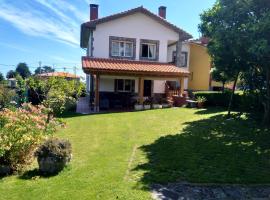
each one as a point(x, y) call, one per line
point(141, 82)
point(182, 84)
point(97, 79)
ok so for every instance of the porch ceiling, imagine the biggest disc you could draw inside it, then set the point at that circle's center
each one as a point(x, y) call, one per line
point(133, 68)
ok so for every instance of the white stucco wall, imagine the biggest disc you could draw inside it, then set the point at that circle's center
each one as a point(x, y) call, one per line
point(171, 49)
point(159, 86)
point(137, 26)
point(186, 48)
point(107, 83)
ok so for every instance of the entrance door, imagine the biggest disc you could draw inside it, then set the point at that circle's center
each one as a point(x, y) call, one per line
point(147, 89)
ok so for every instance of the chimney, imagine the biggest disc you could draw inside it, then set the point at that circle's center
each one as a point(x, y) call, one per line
point(162, 12)
point(93, 11)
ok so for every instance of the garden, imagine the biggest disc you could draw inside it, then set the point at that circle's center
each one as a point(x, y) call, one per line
point(28, 123)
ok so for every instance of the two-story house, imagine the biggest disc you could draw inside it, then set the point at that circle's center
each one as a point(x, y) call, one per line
point(132, 55)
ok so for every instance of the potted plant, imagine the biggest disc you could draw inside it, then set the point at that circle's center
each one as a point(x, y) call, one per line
point(147, 104)
point(200, 101)
point(165, 103)
point(138, 106)
point(156, 104)
point(53, 156)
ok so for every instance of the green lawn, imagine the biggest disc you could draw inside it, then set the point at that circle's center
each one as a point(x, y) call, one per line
point(118, 155)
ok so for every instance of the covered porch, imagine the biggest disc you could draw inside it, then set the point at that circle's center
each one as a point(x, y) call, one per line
point(128, 82)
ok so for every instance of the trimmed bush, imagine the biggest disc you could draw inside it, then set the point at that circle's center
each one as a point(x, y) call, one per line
point(53, 156)
point(242, 101)
point(21, 132)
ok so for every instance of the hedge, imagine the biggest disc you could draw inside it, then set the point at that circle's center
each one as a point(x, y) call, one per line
point(245, 102)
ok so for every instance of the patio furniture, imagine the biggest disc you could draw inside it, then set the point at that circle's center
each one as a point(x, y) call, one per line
point(191, 103)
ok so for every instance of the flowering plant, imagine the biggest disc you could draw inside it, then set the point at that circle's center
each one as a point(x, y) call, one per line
point(21, 131)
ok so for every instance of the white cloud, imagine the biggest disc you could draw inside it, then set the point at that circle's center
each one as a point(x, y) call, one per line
point(14, 46)
point(37, 23)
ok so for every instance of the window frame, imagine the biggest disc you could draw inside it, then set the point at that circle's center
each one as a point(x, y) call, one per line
point(120, 40)
point(124, 85)
point(150, 42)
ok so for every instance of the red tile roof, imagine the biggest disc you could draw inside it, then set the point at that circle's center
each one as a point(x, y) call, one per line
point(59, 74)
point(117, 66)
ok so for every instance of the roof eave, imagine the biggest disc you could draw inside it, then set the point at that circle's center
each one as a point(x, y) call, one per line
point(91, 25)
point(135, 73)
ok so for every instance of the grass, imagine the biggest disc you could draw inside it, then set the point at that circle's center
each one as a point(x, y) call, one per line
point(119, 155)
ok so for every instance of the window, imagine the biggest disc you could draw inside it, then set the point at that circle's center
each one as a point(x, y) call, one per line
point(124, 85)
point(148, 51)
point(121, 47)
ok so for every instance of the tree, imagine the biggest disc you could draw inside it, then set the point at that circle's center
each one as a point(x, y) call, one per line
point(220, 76)
point(11, 74)
point(2, 78)
point(56, 94)
point(259, 27)
point(44, 69)
point(23, 70)
point(225, 25)
point(6, 96)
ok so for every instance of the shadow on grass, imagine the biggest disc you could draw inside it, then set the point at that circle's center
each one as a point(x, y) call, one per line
point(211, 110)
point(213, 150)
point(35, 174)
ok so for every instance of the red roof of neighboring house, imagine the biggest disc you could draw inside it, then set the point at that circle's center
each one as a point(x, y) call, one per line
point(130, 67)
point(59, 74)
point(201, 41)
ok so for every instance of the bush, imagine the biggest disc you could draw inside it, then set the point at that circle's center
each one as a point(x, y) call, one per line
point(242, 101)
point(6, 96)
point(21, 131)
point(53, 156)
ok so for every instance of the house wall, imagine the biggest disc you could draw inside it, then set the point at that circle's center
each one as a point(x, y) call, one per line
point(185, 48)
point(199, 67)
point(137, 26)
point(107, 83)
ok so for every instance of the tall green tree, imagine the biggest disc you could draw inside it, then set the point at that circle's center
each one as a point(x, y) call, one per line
point(2, 78)
point(220, 76)
point(11, 74)
point(44, 69)
point(259, 27)
point(23, 70)
point(225, 25)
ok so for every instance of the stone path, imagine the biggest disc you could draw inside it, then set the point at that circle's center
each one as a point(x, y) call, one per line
point(185, 191)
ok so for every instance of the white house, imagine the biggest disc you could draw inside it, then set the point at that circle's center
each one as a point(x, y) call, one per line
point(132, 54)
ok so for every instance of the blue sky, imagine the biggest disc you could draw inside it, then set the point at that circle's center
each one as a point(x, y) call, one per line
point(48, 30)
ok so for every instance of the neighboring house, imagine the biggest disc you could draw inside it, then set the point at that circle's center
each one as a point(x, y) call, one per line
point(12, 82)
point(66, 75)
point(200, 66)
point(132, 55)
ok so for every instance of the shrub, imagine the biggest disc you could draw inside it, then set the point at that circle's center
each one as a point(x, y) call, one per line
point(201, 99)
point(53, 155)
point(22, 130)
point(6, 96)
point(242, 101)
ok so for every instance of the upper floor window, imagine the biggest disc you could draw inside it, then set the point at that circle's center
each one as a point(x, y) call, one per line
point(122, 47)
point(149, 50)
